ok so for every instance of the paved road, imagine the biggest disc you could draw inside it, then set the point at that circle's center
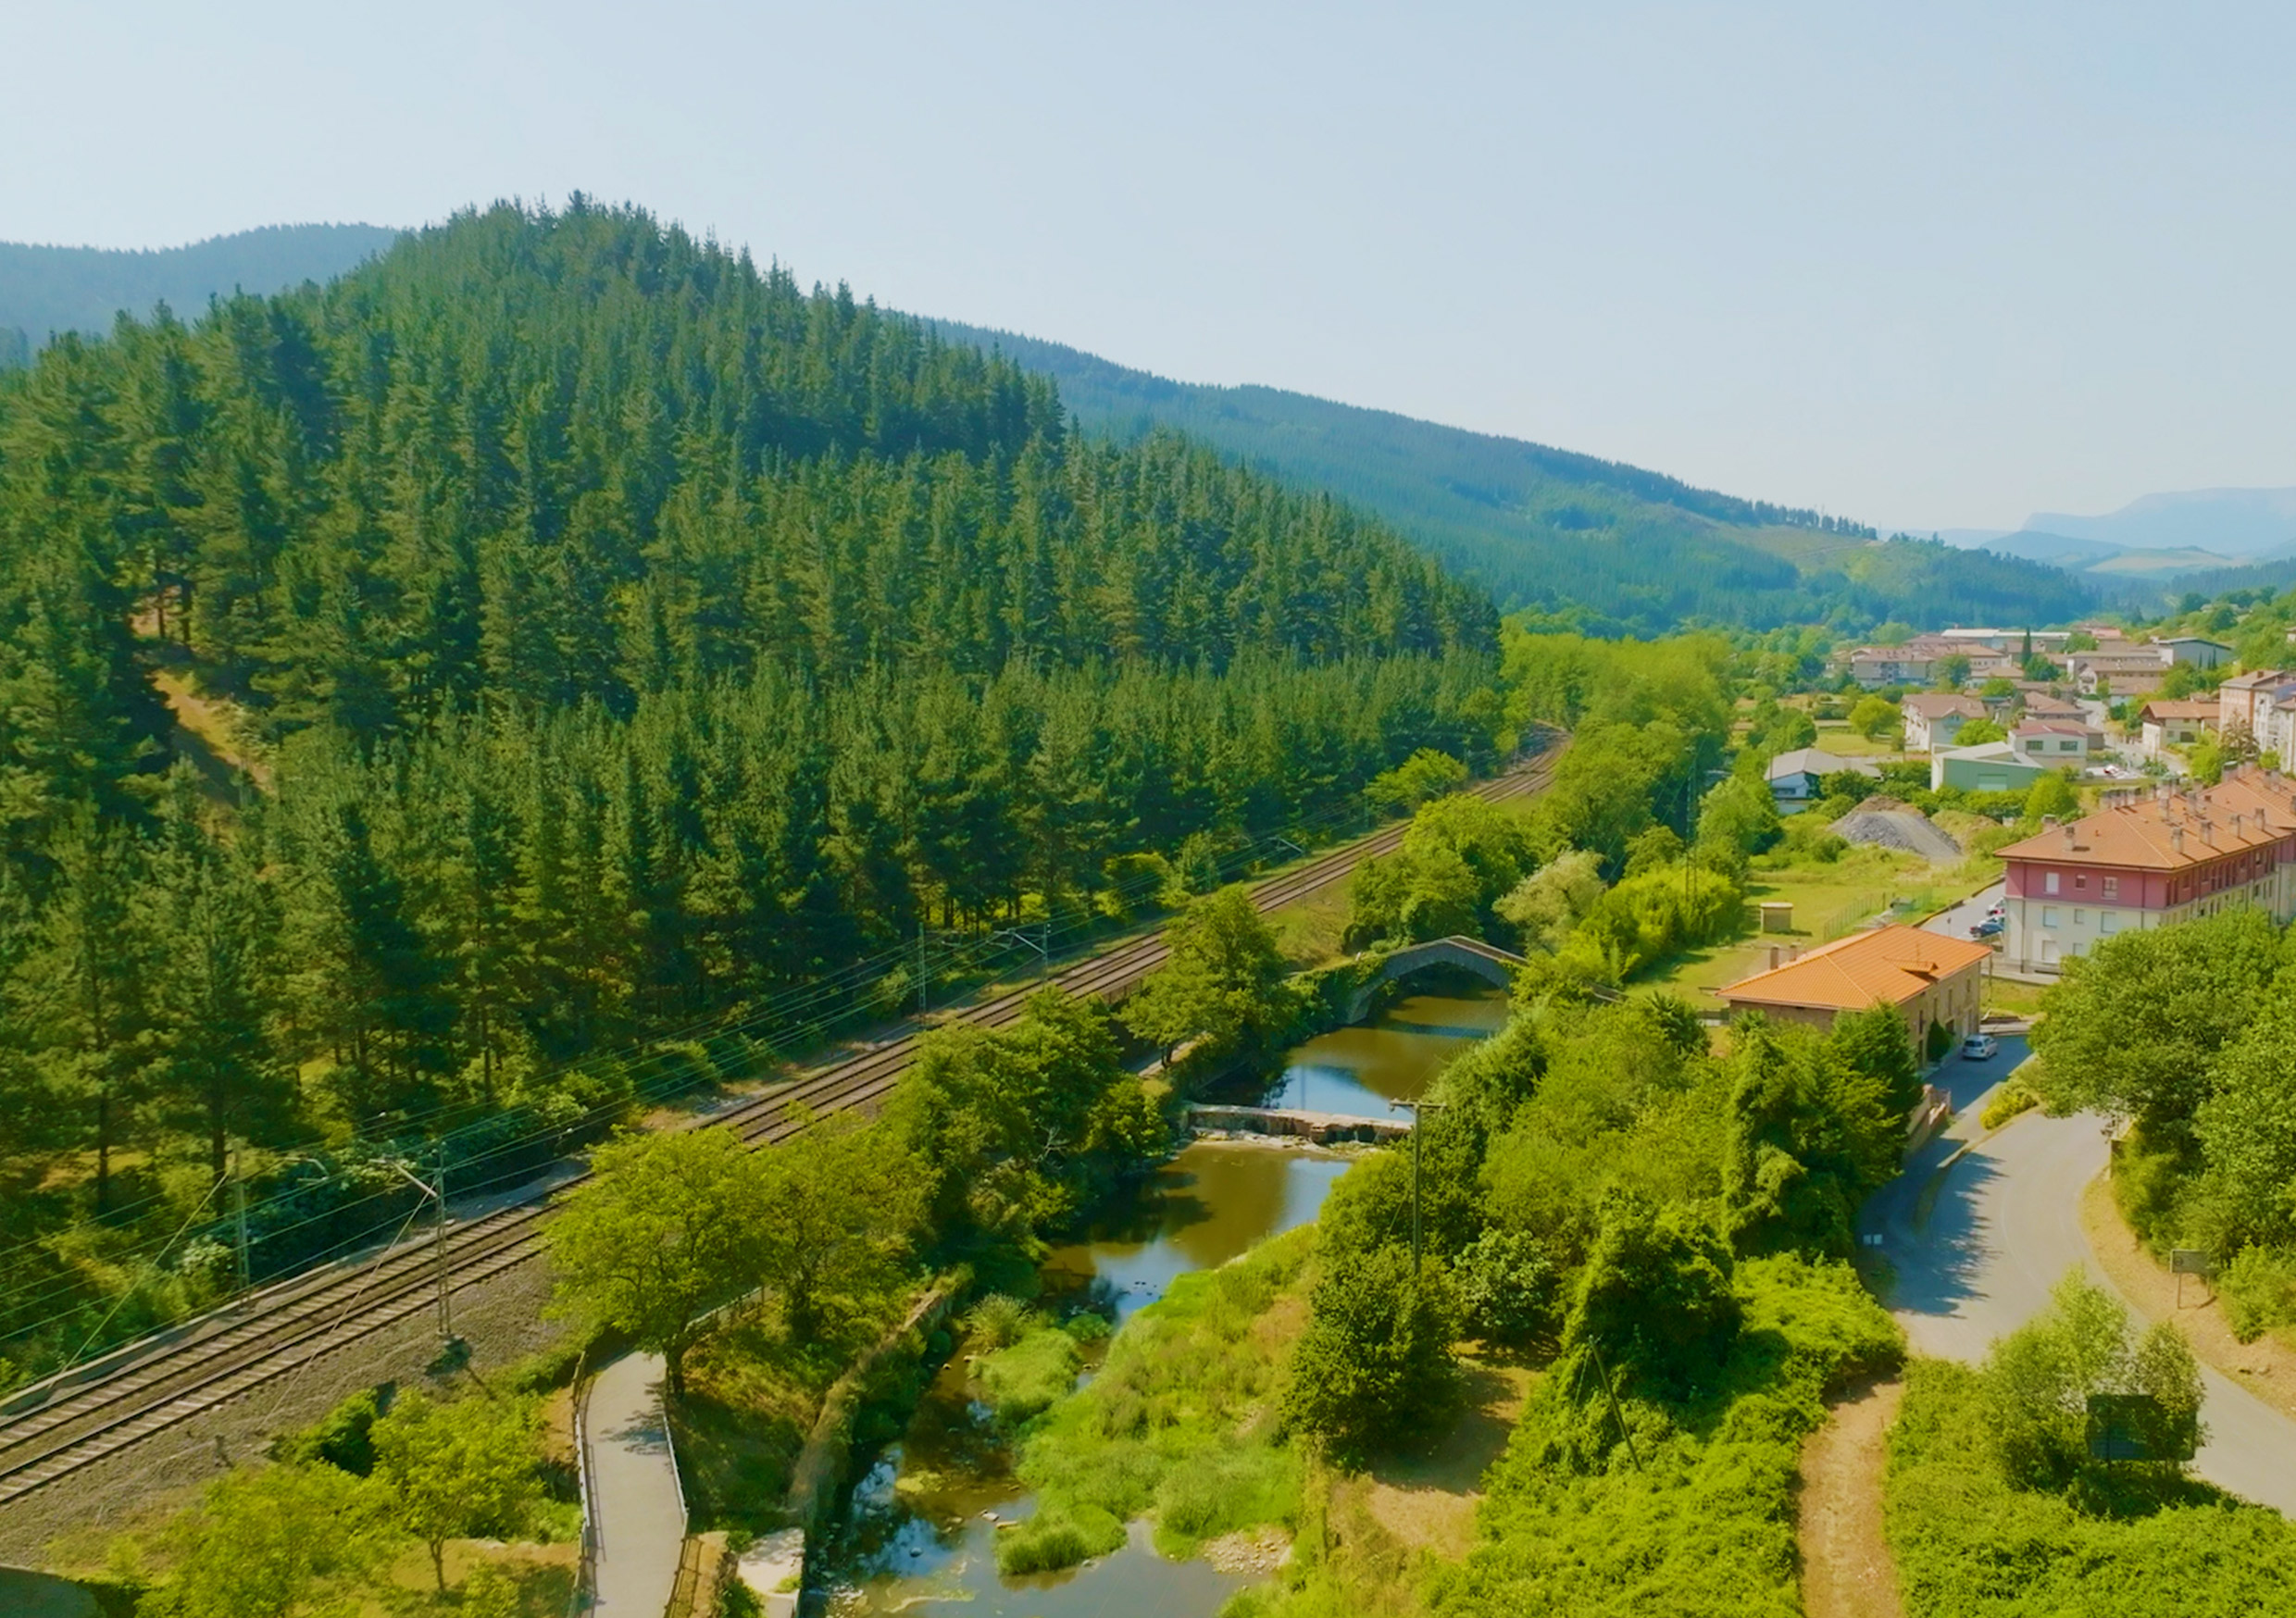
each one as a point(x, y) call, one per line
point(1955, 923)
point(641, 1520)
point(2001, 1229)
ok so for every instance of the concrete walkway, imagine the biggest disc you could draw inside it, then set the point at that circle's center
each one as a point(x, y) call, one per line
point(1976, 1252)
point(640, 1516)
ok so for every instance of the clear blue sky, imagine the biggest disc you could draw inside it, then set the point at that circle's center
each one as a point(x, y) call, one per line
point(1940, 264)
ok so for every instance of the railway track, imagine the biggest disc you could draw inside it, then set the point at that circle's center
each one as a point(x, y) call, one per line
point(274, 1333)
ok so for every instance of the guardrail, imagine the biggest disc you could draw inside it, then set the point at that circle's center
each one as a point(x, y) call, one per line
point(586, 1564)
point(683, 1588)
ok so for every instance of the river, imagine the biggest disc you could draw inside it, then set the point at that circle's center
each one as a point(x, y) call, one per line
point(920, 1536)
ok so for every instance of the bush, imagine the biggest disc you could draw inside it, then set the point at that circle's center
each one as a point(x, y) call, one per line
point(1704, 1525)
point(2012, 1098)
point(1509, 1289)
point(2259, 1290)
point(1030, 1377)
point(1970, 1545)
point(1374, 1362)
point(998, 1320)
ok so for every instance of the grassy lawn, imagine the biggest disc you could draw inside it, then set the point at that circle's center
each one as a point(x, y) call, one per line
point(1838, 738)
point(1828, 900)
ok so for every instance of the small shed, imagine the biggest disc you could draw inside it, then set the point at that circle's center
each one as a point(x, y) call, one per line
point(1776, 915)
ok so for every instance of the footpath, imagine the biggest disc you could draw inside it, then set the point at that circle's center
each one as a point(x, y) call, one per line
point(639, 1513)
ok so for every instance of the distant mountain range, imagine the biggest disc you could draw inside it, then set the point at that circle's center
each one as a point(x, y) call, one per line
point(1609, 546)
point(48, 290)
point(2204, 537)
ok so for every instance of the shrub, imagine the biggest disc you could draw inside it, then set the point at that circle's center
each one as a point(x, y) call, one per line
point(1030, 1377)
point(2259, 1290)
point(1375, 1361)
point(2012, 1098)
point(1509, 1289)
point(1968, 1544)
point(998, 1320)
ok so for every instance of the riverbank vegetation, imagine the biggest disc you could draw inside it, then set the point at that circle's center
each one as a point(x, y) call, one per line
point(2185, 1032)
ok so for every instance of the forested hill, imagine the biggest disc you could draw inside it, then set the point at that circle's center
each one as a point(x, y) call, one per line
point(1618, 547)
point(623, 639)
point(47, 290)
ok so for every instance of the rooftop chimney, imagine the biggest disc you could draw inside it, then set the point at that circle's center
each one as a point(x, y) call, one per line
point(2175, 839)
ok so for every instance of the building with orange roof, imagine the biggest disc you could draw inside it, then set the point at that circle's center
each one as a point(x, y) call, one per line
point(1932, 978)
point(2149, 858)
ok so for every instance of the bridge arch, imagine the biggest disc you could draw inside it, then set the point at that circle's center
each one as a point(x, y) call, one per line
point(1485, 960)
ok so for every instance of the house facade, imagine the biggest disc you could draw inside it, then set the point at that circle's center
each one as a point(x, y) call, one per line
point(1798, 777)
point(2198, 650)
point(1990, 767)
point(2118, 669)
point(2167, 724)
point(1933, 720)
point(2051, 743)
point(2154, 857)
point(1933, 979)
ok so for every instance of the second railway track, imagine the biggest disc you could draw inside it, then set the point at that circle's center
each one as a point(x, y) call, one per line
point(287, 1325)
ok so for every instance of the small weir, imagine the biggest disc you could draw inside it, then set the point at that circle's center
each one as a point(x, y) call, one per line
point(920, 1536)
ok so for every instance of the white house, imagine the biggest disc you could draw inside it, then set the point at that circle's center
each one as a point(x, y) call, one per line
point(2051, 743)
point(1934, 718)
point(1799, 777)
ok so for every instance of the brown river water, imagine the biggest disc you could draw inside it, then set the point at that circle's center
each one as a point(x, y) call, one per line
point(918, 1540)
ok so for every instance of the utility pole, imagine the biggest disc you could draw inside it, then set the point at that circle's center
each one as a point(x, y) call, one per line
point(1418, 1110)
point(437, 1193)
point(239, 1220)
point(446, 1308)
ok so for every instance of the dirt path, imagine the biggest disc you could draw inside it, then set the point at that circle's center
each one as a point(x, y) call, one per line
point(1846, 1569)
point(1429, 1499)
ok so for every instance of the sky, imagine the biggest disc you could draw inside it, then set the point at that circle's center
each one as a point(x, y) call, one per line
point(1930, 266)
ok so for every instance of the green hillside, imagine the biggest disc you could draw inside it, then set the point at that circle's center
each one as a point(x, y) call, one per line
point(47, 290)
point(620, 641)
point(1619, 547)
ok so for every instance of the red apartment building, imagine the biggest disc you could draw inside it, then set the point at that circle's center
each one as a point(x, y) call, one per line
point(2156, 855)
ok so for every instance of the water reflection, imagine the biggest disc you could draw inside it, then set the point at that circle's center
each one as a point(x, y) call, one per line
point(922, 1535)
point(1214, 1200)
point(1356, 1071)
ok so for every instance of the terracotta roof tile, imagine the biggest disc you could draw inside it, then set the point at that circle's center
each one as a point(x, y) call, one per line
point(2166, 832)
point(1890, 964)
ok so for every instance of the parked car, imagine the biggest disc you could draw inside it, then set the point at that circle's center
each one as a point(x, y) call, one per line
point(1988, 928)
point(1979, 1048)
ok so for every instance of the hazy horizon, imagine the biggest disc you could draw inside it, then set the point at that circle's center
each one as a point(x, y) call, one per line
point(1959, 265)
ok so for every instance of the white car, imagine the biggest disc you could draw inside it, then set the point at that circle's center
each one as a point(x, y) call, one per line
point(1979, 1048)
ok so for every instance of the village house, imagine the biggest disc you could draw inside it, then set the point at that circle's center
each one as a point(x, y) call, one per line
point(2119, 670)
point(2196, 650)
point(1990, 767)
point(2151, 857)
point(1936, 981)
point(1933, 720)
point(2051, 743)
point(1918, 662)
point(2244, 701)
point(1798, 777)
point(2168, 722)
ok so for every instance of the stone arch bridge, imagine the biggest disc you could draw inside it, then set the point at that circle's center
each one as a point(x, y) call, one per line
point(1493, 965)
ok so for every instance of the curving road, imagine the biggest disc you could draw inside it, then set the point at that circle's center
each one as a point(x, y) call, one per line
point(1978, 1245)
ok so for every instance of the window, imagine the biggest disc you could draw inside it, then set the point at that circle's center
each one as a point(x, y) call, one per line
point(2080, 918)
point(2108, 921)
point(2081, 879)
point(2111, 886)
point(2047, 915)
point(2049, 883)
